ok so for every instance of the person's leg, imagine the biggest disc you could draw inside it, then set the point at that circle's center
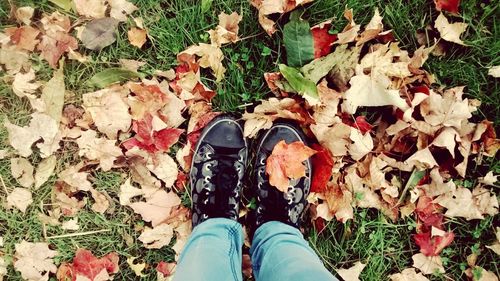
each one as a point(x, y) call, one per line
point(212, 253)
point(280, 253)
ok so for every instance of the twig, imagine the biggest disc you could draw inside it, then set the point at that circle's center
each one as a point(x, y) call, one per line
point(3, 185)
point(78, 234)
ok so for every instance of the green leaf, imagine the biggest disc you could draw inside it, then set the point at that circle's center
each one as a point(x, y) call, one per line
point(320, 67)
point(302, 85)
point(299, 43)
point(65, 4)
point(99, 33)
point(415, 177)
point(110, 76)
point(206, 5)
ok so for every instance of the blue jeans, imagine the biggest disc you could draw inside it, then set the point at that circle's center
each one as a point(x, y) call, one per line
point(279, 253)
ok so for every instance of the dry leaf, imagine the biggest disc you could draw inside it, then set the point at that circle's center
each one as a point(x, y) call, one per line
point(109, 110)
point(428, 265)
point(24, 37)
point(44, 170)
point(495, 247)
point(22, 85)
point(157, 237)
point(132, 65)
point(460, 203)
point(350, 32)
point(210, 56)
point(361, 144)
point(450, 32)
point(22, 171)
point(352, 273)
point(94, 9)
point(71, 224)
point(268, 7)
point(101, 203)
point(127, 192)
point(286, 163)
point(121, 8)
point(335, 138)
point(489, 179)
point(157, 208)
point(101, 149)
point(422, 158)
point(494, 71)
point(408, 274)
point(3, 268)
point(137, 37)
point(74, 178)
point(53, 95)
point(227, 30)
point(164, 168)
point(19, 198)
point(137, 268)
point(24, 14)
point(485, 275)
point(34, 260)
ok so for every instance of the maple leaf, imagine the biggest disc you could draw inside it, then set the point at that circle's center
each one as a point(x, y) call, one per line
point(408, 274)
point(94, 9)
point(448, 109)
point(165, 269)
point(210, 56)
point(322, 39)
point(450, 32)
point(99, 33)
point(286, 163)
point(24, 14)
point(372, 29)
point(24, 37)
point(86, 265)
point(127, 192)
point(428, 265)
point(322, 164)
point(136, 267)
point(101, 203)
point(157, 237)
point(337, 201)
point(489, 179)
point(20, 198)
point(34, 260)
point(109, 110)
point(335, 138)
point(352, 273)
point(22, 85)
point(494, 71)
point(361, 144)
point(462, 203)
point(74, 178)
point(56, 41)
point(447, 5)
point(137, 37)
point(433, 245)
point(53, 95)
point(101, 149)
point(44, 170)
point(158, 207)
point(351, 30)
point(227, 30)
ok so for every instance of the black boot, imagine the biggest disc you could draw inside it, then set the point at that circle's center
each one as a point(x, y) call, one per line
point(272, 204)
point(217, 170)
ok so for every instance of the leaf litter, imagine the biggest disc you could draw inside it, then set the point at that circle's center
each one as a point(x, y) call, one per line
point(132, 123)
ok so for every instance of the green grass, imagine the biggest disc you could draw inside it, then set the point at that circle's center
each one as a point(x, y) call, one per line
point(173, 25)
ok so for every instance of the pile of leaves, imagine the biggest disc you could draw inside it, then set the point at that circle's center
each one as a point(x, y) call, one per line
point(401, 163)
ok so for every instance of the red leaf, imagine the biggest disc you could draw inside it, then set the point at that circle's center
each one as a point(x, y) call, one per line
point(322, 39)
point(322, 164)
point(181, 181)
point(165, 138)
point(204, 120)
point(432, 246)
point(420, 89)
point(87, 265)
point(447, 5)
point(166, 268)
point(360, 123)
point(319, 225)
point(428, 214)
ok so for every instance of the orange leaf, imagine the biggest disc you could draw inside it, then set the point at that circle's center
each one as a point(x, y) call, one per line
point(285, 163)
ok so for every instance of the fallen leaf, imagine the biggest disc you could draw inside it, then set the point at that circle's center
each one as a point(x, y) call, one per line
point(450, 32)
point(210, 56)
point(3, 268)
point(127, 192)
point(99, 33)
point(34, 260)
point(157, 208)
point(408, 274)
point(111, 76)
point(14, 60)
point(298, 40)
point(157, 237)
point(164, 168)
point(485, 200)
point(94, 9)
point(495, 247)
point(422, 158)
point(494, 71)
point(102, 149)
point(121, 8)
point(165, 270)
point(101, 203)
point(132, 65)
point(428, 265)
point(19, 198)
point(322, 165)
point(350, 32)
point(44, 170)
point(431, 245)
point(227, 30)
point(303, 86)
point(24, 37)
point(71, 224)
point(337, 202)
point(286, 163)
point(24, 14)
point(137, 37)
point(484, 275)
point(137, 268)
point(335, 138)
point(23, 85)
point(322, 39)
point(447, 5)
point(361, 145)
point(352, 273)
point(109, 110)
point(86, 266)
point(22, 171)
point(76, 179)
point(65, 4)
point(460, 203)
point(53, 95)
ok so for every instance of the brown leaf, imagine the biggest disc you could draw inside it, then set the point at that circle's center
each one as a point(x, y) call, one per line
point(352, 273)
point(157, 237)
point(137, 37)
point(44, 170)
point(450, 32)
point(34, 260)
point(428, 265)
point(127, 192)
point(94, 9)
point(408, 274)
point(101, 149)
point(22, 85)
point(22, 171)
point(24, 14)
point(24, 37)
point(157, 208)
point(227, 30)
point(286, 163)
point(210, 56)
point(101, 203)
point(20, 198)
point(121, 8)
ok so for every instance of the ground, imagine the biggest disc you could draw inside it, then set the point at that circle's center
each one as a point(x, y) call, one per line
point(385, 246)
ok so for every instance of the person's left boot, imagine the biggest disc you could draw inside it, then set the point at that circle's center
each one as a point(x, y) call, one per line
point(217, 170)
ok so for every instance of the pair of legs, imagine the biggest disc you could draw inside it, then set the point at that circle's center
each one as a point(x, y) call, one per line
point(214, 250)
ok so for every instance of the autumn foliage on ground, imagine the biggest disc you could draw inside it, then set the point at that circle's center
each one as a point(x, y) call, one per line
point(405, 162)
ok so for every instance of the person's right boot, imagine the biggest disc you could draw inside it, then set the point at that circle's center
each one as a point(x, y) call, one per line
point(272, 204)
